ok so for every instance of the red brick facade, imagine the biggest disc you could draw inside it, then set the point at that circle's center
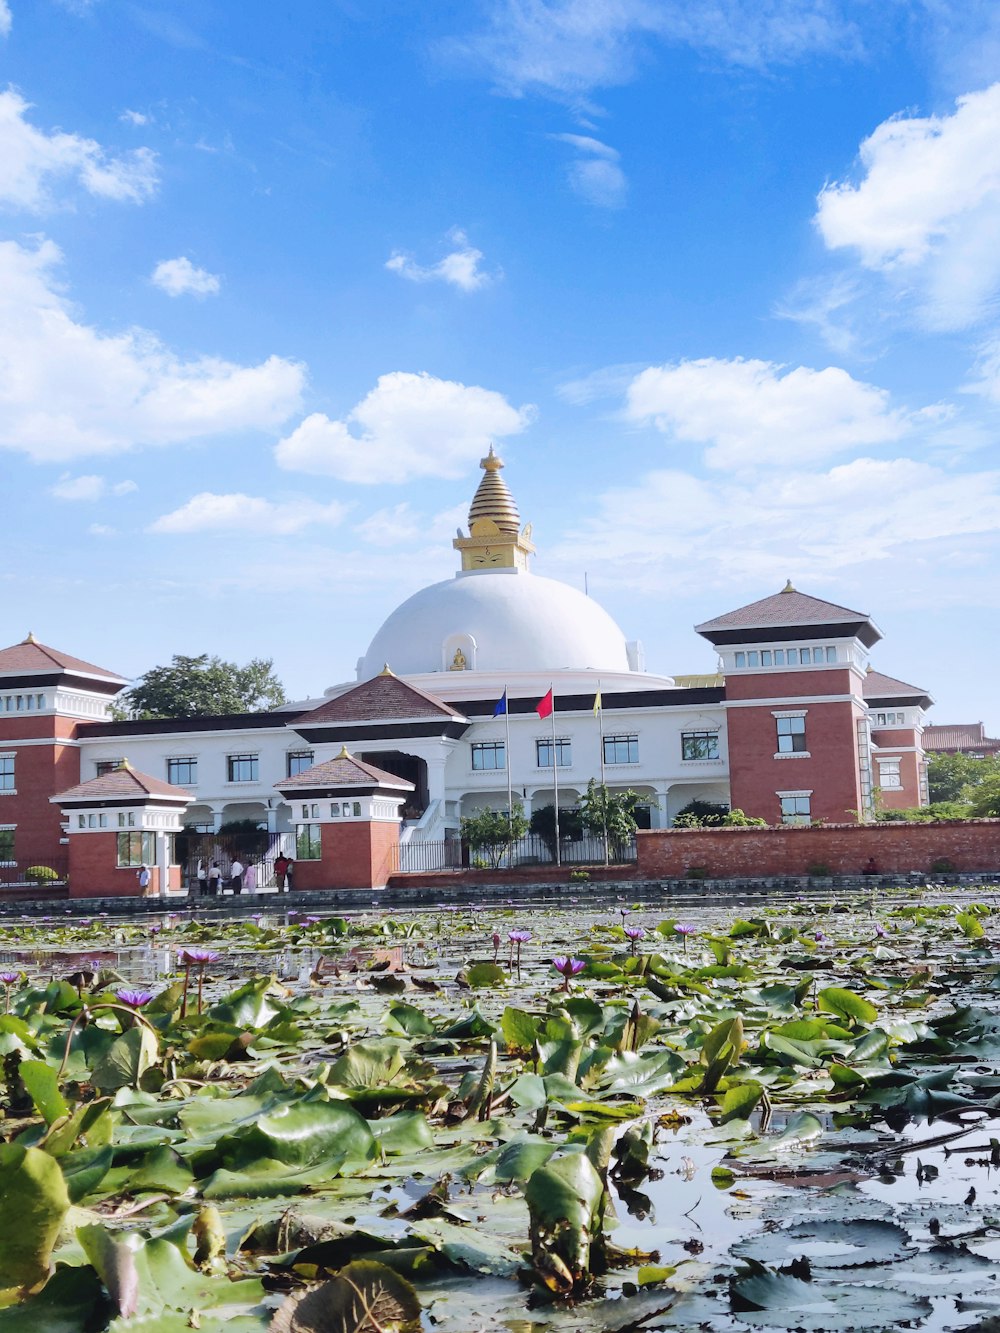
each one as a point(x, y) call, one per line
point(39, 770)
point(356, 854)
point(94, 871)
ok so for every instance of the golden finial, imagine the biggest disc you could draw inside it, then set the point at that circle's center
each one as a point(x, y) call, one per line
point(494, 540)
point(31, 638)
point(343, 753)
point(492, 462)
point(788, 587)
point(386, 670)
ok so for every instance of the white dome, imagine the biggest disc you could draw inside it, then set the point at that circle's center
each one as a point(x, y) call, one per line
point(498, 620)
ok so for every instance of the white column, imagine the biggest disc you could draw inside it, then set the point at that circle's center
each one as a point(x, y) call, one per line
point(162, 860)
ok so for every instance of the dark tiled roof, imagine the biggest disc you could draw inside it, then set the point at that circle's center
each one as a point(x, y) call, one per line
point(30, 655)
point(784, 608)
point(123, 784)
point(959, 736)
point(345, 771)
point(384, 698)
point(878, 686)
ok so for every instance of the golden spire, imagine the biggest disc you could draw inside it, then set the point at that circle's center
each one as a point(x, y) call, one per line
point(495, 540)
point(788, 587)
point(343, 753)
point(31, 638)
point(493, 500)
point(386, 670)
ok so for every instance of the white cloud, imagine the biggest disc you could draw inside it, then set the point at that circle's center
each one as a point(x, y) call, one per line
point(460, 267)
point(407, 426)
point(69, 390)
point(927, 210)
point(250, 515)
point(31, 161)
point(5, 18)
point(399, 525)
point(178, 277)
point(820, 528)
point(568, 48)
point(595, 175)
point(752, 413)
point(102, 530)
point(134, 117)
point(89, 487)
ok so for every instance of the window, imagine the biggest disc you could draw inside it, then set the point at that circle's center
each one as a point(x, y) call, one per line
point(741, 659)
point(621, 749)
point(106, 766)
point(779, 657)
point(563, 749)
point(488, 755)
point(791, 735)
point(136, 849)
point(310, 810)
point(889, 719)
point(127, 820)
point(888, 775)
point(183, 772)
point(7, 773)
point(6, 844)
point(699, 745)
point(793, 656)
point(307, 842)
point(795, 809)
point(241, 767)
point(297, 761)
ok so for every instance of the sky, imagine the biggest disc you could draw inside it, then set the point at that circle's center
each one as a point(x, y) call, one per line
point(719, 281)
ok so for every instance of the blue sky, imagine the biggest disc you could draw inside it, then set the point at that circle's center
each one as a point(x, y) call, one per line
point(719, 280)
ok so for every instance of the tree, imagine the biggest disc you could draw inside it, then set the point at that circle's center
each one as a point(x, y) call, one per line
point(203, 687)
point(954, 777)
point(698, 814)
point(611, 812)
point(543, 825)
point(986, 797)
point(490, 832)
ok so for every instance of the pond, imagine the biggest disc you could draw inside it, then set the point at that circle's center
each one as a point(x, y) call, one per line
point(697, 1114)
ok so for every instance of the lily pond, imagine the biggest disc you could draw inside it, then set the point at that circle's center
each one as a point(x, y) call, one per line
point(503, 1117)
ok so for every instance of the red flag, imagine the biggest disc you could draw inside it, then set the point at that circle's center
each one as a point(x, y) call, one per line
point(544, 706)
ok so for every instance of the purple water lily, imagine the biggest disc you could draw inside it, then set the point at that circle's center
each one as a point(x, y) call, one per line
point(568, 967)
point(496, 945)
point(820, 936)
point(9, 979)
point(684, 929)
point(134, 999)
point(634, 934)
point(199, 958)
point(880, 930)
point(517, 937)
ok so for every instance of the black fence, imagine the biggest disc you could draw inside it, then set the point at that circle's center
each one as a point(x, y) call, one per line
point(40, 879)
point(532, 850)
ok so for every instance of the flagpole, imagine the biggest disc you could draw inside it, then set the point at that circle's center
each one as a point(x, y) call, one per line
point(555, 776)
point(510, 790)
point(604, 789)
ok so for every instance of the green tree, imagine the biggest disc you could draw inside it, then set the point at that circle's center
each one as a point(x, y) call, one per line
point(490, 832)
point(613, 811)
point(985, 802)
point(543, 825)
point(954, 777)
point(203, 687)
point(700, 814)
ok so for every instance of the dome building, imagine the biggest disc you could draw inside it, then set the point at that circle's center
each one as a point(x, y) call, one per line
point(795, 727)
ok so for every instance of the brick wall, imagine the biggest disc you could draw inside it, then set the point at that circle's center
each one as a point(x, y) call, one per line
point(94, 871)
point(550, 874)
point(39, 772)
point(763, 853)
point(355, 855)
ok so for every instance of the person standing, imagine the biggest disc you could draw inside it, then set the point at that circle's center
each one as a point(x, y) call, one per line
point(280, 871)
point(250, 879)
point(143, 876)
point(214, 879)
point(236, 875)
point(289, 875)
point(201, 875)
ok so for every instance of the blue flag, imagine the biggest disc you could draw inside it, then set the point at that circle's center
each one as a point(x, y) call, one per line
point(501, 707)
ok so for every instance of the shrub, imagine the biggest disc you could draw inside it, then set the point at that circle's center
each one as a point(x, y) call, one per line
point(697, 872)
point(819, 870)
point(41, 874)
point(942, 866)
point(579, 876)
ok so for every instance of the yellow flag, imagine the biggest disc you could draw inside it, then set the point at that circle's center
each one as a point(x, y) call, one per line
point(597, 703)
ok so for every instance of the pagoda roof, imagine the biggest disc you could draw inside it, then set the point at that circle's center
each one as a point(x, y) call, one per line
point(787, 610)
point(123, 784)
point(384, 698)
point(877, 687)
point(30, 656)
point(344, 771)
